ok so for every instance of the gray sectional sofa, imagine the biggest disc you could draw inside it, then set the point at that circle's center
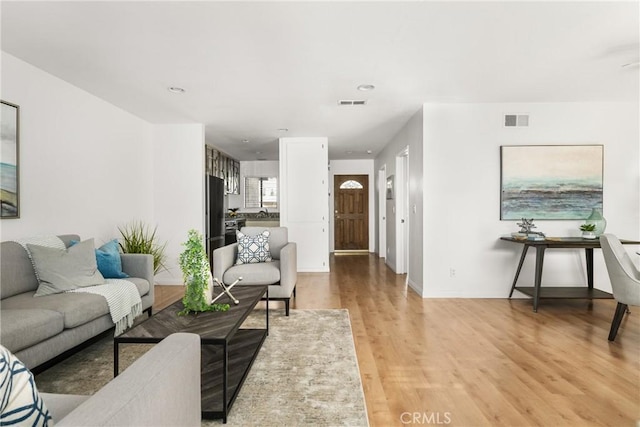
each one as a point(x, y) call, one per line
point(38, 329)
point(162, 388)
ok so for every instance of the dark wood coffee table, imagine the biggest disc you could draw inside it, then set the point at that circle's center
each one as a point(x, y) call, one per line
point(227, 351)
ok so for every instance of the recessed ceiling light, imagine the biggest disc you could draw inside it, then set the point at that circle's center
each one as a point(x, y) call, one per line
point(245, 140)
point(283, 130)
point(366, 87)
point(369, 151)
point(176, 89)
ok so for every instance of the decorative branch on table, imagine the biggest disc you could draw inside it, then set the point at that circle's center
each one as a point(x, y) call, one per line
point(138, 238)
point(197, 277)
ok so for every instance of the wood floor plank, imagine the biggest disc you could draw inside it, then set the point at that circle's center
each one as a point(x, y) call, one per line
point(479, 362)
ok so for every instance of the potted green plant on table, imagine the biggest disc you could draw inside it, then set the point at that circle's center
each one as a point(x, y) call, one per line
point(197, 277)
point(588, 231)
point(138, 238)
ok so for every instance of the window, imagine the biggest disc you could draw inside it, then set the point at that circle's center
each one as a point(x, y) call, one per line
point(260, 192)
point(351, 185)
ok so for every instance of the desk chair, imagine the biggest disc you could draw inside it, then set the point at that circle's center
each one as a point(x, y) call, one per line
point(624, 276)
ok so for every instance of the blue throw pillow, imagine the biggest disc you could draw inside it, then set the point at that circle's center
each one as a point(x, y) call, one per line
point(109, 263)
point(108, 259)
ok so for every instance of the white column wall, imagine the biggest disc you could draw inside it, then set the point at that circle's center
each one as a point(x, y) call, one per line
point(304, 204)
point(179, 190)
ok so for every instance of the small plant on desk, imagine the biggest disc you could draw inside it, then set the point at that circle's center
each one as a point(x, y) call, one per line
point(588, 231)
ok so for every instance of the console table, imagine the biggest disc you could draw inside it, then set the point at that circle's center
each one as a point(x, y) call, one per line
point(558, 292)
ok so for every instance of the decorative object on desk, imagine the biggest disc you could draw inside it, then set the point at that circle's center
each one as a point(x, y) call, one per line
point(9, 168)
point(598, 221)
point(588, 231)
point(526, 231)
point(197, 277)
point(233, 212)
point(526, 225)
point(550, 181)
point(138, 238)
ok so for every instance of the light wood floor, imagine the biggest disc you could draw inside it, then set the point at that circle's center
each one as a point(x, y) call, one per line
point(477, 362)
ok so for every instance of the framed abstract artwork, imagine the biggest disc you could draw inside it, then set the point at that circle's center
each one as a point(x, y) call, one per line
point(9, 161)
point(550, 181)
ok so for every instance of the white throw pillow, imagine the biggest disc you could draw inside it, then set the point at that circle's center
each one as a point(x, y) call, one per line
point(252, 249)
point(20, 402)
point(61, 270)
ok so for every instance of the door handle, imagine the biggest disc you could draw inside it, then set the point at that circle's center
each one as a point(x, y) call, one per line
point(402, 221)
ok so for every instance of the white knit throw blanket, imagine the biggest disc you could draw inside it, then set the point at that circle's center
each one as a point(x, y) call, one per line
point(123, 299)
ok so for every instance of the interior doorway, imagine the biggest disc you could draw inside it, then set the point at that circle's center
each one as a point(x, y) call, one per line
point(382, 212)
point(402, 211)
point(351, 213)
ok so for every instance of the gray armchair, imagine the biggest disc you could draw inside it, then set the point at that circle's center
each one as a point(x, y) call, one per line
point(624, 276)
point(280, 274)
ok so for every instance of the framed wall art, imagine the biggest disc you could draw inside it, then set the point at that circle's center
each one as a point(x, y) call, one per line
point(550, 181)
point(390, 187)
point(9, 161)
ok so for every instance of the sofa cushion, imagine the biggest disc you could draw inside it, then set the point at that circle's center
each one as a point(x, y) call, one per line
point(76, 308)
point(16, 271)
point(62, 270)
point(265, 273)
point(22, 328)
point(21, 403)
point(141, 284)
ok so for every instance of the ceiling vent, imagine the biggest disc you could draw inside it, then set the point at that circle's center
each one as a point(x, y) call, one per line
point(351, 102)
point(516, 120)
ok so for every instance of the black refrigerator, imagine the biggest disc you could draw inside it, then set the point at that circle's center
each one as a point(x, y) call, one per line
point(215, 215)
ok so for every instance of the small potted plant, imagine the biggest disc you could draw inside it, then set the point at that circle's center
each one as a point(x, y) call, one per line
point(197, 277)
point(588, 231)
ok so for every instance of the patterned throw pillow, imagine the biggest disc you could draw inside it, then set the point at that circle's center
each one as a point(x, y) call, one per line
point(252, 249)
point(20, 403)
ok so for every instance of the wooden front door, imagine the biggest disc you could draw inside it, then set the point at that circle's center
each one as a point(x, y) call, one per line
point(351, 202)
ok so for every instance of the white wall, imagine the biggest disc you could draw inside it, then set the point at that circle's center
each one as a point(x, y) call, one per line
point(462, 192)
point(254, 168)
point(84, 164)
point(411, 135)
point(179, 196)
point(353, 167)
point(304, 199)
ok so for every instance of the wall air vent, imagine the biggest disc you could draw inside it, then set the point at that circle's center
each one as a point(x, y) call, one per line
point(352, 102)
point(516, 120)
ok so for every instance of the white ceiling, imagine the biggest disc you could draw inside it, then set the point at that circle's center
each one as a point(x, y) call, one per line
point(252, 68)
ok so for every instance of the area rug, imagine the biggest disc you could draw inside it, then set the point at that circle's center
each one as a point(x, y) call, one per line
point(306, 373)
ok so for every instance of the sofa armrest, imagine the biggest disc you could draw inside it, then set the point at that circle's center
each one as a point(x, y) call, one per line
point(223, 259)
point(161, 388)
point(289, 266)
point(140, 265)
